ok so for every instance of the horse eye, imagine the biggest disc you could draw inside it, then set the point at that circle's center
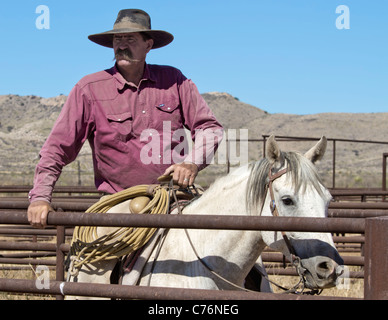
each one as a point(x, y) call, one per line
point(287, 202)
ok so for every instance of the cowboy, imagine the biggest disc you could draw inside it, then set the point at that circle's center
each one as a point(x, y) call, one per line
point(120, 111)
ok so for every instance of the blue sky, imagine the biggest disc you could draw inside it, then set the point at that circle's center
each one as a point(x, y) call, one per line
point(281, 56)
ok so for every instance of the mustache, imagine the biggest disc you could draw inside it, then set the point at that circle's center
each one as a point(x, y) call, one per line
point(125, 54)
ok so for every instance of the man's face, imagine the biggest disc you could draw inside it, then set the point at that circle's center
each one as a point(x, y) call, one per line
point(130, 48)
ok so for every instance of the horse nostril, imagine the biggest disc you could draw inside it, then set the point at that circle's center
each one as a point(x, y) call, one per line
point(325, 269)
point(323, 265)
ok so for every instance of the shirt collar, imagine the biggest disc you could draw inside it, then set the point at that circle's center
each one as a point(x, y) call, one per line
point(121, 82)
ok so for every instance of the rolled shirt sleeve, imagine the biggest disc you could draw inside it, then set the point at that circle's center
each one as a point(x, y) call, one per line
point(206, 131)
point(62, 145)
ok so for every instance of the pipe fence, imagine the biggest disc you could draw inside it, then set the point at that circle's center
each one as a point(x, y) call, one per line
point(376, 247)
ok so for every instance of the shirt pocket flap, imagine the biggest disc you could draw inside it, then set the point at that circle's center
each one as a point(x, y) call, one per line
point(169, 106)
point(120, 117)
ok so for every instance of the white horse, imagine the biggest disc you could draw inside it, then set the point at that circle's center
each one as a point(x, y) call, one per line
point(297, 192)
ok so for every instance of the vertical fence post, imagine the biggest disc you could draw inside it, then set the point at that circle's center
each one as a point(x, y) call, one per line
point(264, 145)
point(334, 155)
point(227, 155)
point(376, 259)
point(384, 182)
point(59, 269)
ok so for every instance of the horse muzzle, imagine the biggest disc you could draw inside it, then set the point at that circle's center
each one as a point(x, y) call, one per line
point(320, 272)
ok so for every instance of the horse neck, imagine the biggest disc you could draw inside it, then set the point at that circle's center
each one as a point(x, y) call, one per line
point(238, 248)
point(225, 197)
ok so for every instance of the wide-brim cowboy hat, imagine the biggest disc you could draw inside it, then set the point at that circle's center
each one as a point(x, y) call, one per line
point(130, 21)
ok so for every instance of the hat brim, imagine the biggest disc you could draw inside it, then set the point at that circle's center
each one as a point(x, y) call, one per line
point(161, 38)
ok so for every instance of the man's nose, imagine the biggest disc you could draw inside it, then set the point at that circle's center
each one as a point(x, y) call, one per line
point(123, 45)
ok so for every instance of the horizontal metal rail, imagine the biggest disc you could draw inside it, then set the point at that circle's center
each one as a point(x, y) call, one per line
point(31, 261)
point(336, 209)
point(51, 247)
point(32, 232)
point(57, 189)
point(235, 222)
point(280, 271)
point(92, 190)
point(138, 292)
point(356, 213)
point(278, 257)
point(65, 205)
point(359, 205)
point(232, 222)
point(293, 138)
point(358, 192)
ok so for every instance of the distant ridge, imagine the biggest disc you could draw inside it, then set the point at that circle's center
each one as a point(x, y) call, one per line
point(26, 121)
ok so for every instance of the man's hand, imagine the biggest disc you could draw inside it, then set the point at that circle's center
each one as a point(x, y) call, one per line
point(37, 213)
point(184, 173)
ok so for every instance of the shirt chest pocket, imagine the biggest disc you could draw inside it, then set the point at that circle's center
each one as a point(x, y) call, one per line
point(168, 112)
point(122, 125)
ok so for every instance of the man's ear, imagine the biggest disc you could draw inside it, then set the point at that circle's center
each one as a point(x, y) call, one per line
point(150, 44)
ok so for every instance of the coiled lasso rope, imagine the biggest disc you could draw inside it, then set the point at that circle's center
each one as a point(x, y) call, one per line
point(87, 247)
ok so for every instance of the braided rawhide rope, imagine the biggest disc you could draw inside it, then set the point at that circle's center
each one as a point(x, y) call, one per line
point(86, 247)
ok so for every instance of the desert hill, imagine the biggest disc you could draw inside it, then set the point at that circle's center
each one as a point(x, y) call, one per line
point(25, 122)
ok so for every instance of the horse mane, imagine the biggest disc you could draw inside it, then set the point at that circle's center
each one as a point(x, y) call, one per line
point(303, 173)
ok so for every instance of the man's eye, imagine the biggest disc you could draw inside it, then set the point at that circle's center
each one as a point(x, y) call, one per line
point(126, 39)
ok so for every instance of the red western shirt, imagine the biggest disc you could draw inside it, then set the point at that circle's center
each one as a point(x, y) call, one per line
point(135, 132)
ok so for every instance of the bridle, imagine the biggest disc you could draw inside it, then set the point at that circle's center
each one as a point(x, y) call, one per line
point(274, 209)
point(295, 260)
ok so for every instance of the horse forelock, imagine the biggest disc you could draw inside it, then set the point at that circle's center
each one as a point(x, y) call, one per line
point(303, 174)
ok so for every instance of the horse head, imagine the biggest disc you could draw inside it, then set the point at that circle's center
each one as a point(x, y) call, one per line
point(295, 190)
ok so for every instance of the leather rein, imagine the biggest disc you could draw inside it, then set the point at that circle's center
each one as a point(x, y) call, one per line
point(274, 210)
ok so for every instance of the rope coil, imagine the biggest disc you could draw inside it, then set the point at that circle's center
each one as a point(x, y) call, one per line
point(87, 247)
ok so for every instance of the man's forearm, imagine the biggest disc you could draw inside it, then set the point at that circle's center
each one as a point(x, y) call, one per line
point(205, 145)
point(44, 182)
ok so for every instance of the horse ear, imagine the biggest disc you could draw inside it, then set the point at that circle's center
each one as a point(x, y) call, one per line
point(316, 153)
point(272, 150)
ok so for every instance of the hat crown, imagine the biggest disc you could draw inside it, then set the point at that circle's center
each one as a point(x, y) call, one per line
point(132, 21)
point(132, 18)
